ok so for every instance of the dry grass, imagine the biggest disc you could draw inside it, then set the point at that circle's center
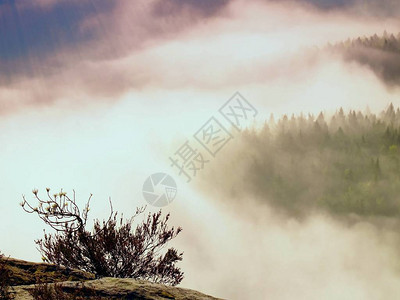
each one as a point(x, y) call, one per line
point(5, 277)
point(56, 291)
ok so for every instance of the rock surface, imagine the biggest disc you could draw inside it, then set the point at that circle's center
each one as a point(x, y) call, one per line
point(26, 274)
point(129, 289)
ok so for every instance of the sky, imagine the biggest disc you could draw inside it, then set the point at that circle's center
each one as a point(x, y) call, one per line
point(97, 95)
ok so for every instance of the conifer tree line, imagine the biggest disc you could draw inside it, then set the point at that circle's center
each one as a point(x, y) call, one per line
point(348, 163)
point(379, 53)
point(386, 42)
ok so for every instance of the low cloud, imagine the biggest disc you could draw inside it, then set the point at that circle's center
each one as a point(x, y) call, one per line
point(137, 46)
point(205, 8)
point(370, 8)
point(152, 64)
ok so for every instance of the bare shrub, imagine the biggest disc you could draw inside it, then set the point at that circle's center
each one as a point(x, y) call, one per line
point(113, 248)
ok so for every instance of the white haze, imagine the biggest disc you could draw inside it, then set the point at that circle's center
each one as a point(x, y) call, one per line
point(66, 131)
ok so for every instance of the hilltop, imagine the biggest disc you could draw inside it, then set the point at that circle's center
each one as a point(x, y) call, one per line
point(26, 274)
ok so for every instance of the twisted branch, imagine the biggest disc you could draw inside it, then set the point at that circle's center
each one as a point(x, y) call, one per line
point(60, 211)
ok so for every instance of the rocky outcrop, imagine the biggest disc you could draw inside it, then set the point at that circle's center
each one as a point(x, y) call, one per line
point(26, 274)
point(117, 288)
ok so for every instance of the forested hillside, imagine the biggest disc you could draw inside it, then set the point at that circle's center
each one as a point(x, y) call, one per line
point(347, 163)
point(380, 53)
point(386, 42)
